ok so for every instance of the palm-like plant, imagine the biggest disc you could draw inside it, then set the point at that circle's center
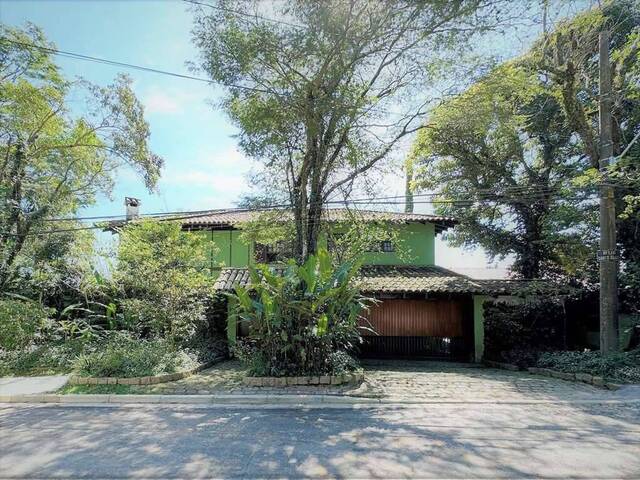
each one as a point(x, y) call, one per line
point(302, 318)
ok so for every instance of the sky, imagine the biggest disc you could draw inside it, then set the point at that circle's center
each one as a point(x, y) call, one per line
point(204, 167)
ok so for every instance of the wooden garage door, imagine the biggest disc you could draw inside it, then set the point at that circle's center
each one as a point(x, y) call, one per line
point(417, 328)
point(415, 318)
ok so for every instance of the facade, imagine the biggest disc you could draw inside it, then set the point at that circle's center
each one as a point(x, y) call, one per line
point(423, 310)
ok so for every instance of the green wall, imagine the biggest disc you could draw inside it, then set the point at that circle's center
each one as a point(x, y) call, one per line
point(230, 251)
point(478, 326)
point(416, 246)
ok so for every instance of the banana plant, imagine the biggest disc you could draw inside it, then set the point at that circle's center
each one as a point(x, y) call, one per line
point(299, 315)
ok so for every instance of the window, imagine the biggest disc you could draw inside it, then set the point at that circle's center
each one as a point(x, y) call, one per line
point(387, 246)
point(280, 251)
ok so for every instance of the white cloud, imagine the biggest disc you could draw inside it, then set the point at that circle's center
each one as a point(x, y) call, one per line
point(162, 100)
point(222, 172)
point(227, 160)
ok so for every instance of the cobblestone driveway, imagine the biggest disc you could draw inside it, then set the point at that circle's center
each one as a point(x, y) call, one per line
point(436, 381)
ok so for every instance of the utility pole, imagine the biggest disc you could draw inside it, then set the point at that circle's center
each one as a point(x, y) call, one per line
point(607, 255)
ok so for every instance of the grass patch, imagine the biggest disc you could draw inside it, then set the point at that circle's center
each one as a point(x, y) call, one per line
point(95, 389)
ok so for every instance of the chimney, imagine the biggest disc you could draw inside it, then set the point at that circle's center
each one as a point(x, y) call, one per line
point(133, 207)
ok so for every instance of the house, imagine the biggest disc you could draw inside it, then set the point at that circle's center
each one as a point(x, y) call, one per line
point(424, 311)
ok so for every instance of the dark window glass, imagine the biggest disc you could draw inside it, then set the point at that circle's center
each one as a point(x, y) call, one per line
point(278, 252)
point(387, 246)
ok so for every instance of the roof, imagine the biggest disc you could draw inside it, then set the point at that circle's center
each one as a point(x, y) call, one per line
point(230, 219)
point(398, 279)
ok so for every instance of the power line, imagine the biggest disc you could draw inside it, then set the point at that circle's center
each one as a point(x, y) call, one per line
point(191, 215)
point(89, 58)
point(513, 193)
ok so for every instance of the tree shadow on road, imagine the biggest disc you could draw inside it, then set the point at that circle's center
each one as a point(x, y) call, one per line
point(436, 441)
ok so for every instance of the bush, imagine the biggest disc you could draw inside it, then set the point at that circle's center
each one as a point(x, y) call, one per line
point(515, 333)
point(619, 366)
point(163, 279)
point(303, 321)
point(21, 321)
point(44, 359)
point(124, 355)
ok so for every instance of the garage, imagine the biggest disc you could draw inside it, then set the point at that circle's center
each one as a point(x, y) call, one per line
point(433, 328)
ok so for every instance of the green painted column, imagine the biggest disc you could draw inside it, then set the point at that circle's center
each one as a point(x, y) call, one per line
point(478, 326)
point(232, 323)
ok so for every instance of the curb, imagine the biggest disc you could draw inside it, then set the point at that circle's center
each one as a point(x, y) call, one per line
point(267, 401)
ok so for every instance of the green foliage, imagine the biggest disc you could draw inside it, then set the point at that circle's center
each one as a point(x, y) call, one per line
point(54, 162)
point(303, 320)
point(125, 355)
point(50, 357)
point(21, 322)
point(621, 366)
point(568, 59)
point(519, 148)
point(316, 89)
point(502, 148)
point(162, 274)
point(515, 333)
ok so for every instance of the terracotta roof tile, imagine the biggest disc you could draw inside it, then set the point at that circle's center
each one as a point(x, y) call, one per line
point(234, 219)
point(410, 279)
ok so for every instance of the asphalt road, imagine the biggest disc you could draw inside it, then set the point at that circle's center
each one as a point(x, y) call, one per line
point(431, 441)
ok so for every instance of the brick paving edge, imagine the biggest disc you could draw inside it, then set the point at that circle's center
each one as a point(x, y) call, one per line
point(148, 380)
point(570, 377)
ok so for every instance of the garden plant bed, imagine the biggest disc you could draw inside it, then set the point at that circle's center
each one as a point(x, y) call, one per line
point(575, 377)
point(147, 380)
point(587, 378)
point(354, 377)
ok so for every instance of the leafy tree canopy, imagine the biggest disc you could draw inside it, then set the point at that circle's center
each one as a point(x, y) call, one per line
point(53, 162)
point(520, 146)
point(325, 94)
point(502, 153)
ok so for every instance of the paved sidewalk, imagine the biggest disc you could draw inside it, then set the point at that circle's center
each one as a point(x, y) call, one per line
point(31, 385)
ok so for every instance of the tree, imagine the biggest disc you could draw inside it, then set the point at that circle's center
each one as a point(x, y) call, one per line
point(320, 96)
point(502, 151)
point(568, 57)
point(52, 162)
point(163, 278)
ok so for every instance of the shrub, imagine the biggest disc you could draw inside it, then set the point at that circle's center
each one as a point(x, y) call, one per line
point(48, 358)
point(21, 321)
point(517, 332)
point(619, 366)
point(124, 355)
point(162, 274)
point(303, 321)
